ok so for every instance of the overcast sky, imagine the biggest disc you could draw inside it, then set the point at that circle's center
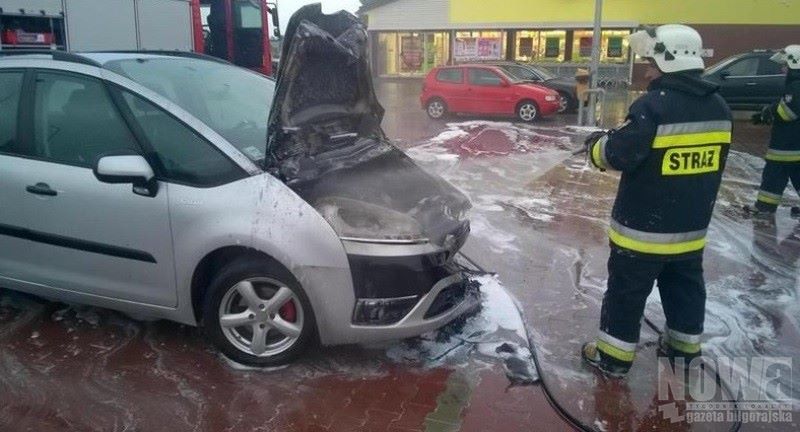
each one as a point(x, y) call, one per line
point(287, 7)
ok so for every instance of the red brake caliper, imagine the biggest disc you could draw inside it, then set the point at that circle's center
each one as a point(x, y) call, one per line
point(288, 311)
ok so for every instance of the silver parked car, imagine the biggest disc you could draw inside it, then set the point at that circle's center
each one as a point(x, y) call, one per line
point(153, 184)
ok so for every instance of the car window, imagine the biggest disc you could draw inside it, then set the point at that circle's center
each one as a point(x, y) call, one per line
point(75, 120)
point(522, 73)
point(183, 155)
point(10, 88)
point(451, 75)
point(769, 67)
point(484, 77)
point(232, 101)
point(744, 67)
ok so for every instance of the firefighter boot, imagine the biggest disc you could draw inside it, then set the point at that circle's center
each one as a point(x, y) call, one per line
point(676, 356)
point(606, 364)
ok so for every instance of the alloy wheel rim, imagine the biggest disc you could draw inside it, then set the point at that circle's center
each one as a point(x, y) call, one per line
point(436, 109)
point(527, 112)
point(261, 317)
point(563, 104)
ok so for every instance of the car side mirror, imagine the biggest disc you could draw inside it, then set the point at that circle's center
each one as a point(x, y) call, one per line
point(504, 84)
point(724, 74)
point(133, 169)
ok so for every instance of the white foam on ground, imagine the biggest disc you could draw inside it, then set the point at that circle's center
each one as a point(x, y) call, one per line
point(499, 322)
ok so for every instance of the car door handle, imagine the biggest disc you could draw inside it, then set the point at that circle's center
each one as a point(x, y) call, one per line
point(41, 189)
point(752, 83)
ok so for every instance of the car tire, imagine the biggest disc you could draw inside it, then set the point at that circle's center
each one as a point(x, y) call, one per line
point(436, 109)
point(527, 111)
point(244, 292)
point(566, 104)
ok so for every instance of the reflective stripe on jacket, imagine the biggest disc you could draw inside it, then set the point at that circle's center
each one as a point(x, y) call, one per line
point(671, 150)
point(784, 145)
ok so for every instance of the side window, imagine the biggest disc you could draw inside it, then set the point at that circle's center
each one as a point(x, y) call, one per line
point(184, 156)
point(75, 121)
point(744, 67)
point(769, 67)
point(10, 88)
point(484, 77)
point(451, 75)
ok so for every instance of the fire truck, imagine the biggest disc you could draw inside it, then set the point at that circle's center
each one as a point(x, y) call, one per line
point(234, 30)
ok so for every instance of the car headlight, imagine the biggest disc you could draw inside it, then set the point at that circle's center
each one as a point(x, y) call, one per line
point(362, 221)
point(551, 98)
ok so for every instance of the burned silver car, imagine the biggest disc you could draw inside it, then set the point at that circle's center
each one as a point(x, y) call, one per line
point(152, 183)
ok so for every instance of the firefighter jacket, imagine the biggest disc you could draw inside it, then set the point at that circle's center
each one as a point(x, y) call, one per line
point(671, 151)
point(785, 143)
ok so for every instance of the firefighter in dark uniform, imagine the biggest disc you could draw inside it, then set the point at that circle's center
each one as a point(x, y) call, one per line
point(671, 151)
point(783, 155)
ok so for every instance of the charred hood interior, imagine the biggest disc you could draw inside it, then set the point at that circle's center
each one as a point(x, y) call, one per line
point(326, 141)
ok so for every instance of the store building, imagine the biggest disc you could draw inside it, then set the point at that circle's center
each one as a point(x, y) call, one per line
point(410, 37)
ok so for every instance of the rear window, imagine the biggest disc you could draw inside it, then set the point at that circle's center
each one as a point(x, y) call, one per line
point(452, 75)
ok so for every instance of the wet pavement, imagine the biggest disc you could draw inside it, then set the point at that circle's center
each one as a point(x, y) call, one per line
point(538, 222)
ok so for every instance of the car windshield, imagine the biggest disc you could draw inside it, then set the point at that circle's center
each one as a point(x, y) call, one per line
point(527, 73)
point(510, 75)
point(234, 102)
point(544, 73)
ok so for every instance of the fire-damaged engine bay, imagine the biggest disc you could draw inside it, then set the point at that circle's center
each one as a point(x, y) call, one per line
point(402, 226)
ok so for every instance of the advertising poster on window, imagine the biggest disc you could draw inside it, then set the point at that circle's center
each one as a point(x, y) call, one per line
point(552, 47)
point(472, 48)
point(586, 47)
point(490, 48)
point(614, 47)
point(466, 48)
point(411, 53)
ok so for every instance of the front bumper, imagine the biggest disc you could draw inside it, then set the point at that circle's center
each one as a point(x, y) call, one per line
point(404, 290)
point(429, 313)
point(550, 108)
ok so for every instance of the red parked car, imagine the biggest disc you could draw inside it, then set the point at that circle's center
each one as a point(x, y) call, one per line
point(484, 89)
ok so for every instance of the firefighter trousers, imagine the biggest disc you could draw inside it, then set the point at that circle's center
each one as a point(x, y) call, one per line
point(774, 180)
point(630, 281)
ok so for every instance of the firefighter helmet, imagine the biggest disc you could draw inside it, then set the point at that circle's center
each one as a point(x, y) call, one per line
point(673, 47)
point(789, 56)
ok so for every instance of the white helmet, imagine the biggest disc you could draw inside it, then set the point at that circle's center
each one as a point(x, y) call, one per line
point(789, 56)
point(674, 47)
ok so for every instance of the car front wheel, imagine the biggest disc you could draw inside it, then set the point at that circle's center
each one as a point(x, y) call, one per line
point(436, 109)
point(564, 103)
point(527, 111)
point(257, 315)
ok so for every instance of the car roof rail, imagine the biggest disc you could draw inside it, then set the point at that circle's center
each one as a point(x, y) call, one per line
point(55, 54)
point(185, 54)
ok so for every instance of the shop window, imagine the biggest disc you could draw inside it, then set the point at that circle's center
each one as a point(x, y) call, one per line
point(613, 46)
point(483, 45)
point(553, 45)
point(408, 53)
point(527, 45)
point(543, 46)
point(387, 54)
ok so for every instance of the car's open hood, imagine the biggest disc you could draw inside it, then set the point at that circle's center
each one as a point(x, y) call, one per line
point(324, 92)
point(325, 140)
